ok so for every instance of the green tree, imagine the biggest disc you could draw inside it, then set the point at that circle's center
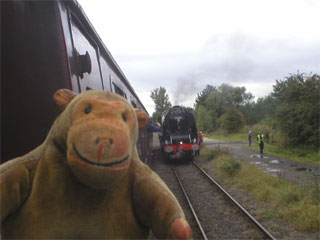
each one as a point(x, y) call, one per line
point(204, 120)
point(235, 96)
point(189, 109)
point(264, 108)
point(298, 112)
point(202, 96)
point(216, 101)
point(161, 101)
point(232, 120)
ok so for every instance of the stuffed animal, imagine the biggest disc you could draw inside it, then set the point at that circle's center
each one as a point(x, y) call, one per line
point(86, 179)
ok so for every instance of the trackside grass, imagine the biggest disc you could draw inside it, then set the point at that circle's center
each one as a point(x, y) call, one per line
point(297, 205)
point(228, 137)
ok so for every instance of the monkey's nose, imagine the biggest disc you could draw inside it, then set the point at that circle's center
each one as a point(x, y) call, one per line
point(107, 140)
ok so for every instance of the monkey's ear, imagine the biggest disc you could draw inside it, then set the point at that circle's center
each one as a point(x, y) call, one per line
point(143, 118)
point(63, 97)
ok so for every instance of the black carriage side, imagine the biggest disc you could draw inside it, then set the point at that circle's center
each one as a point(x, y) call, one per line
point(45, 46)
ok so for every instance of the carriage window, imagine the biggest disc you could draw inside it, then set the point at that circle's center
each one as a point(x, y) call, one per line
point(133, 104)
point(119, 91)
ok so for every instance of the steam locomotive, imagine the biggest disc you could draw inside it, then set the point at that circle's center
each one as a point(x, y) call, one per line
point(178, 134)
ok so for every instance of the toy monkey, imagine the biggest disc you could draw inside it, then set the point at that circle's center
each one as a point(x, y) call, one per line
point(86, 180)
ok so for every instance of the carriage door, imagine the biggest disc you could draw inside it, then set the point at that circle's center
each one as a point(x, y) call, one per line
point(86, 55)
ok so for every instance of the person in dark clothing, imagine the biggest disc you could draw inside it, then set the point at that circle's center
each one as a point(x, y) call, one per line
point(267, 137)
point(151, 127)
point(250, 138)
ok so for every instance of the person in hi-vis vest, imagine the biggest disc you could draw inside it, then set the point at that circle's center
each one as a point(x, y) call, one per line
point(260, 139)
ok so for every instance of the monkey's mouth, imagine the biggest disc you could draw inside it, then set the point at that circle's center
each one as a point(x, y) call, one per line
point(96, 163)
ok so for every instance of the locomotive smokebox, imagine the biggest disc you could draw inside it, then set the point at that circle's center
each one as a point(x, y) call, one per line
point(179, 132)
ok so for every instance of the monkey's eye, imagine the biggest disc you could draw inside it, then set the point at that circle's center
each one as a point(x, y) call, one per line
point(88, 109)
point(124, 117)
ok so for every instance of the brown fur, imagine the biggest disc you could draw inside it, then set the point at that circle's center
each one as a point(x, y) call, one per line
point(86, 179)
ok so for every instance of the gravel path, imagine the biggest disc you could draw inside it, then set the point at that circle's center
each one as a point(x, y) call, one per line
point(297, 173)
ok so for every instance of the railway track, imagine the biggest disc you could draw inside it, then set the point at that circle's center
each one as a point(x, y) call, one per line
point(210, 210)
point(217, 189)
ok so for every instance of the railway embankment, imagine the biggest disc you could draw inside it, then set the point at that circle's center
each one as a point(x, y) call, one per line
point(289, 210)
point(269, 218)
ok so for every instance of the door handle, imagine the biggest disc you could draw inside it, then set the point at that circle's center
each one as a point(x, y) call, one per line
point(83, 63)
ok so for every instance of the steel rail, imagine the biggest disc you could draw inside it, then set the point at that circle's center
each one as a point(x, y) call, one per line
point(265, 231)
point(190, 205)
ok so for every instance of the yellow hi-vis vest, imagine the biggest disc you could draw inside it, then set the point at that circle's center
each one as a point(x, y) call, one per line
point(260, 138)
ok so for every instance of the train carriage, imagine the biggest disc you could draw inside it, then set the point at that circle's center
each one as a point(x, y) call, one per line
point(46, 46)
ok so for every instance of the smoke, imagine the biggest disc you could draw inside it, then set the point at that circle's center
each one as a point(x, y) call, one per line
point(244, 60)
point(186, 89)
point(222, 59)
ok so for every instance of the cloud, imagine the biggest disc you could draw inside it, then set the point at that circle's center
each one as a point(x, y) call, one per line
point(185, 45)
point(238, 59)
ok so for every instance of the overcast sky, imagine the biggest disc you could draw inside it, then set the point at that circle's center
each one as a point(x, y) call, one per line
point(185, 45)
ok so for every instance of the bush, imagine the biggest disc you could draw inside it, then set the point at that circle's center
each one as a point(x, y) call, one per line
point(209, 154)
point(232, 120)
point(218, 151)
point(298, 111)
point(206, 153)
point(230, 167)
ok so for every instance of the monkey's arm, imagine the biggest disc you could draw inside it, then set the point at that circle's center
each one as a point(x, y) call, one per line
point(158, 208)
point(15, 183)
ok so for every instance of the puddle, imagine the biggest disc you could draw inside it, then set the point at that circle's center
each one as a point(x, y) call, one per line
point(303, 169)
point(261, 164)
point(257, 156)
point(273, 171)
point(274, 161)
